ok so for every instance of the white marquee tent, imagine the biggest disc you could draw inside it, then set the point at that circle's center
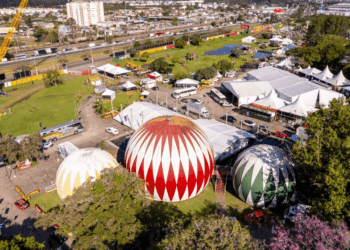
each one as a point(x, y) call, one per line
point(186, 83)
point(112, 70)
point(249, 39)
point(109, 94)
point(272, 101)
point(128, 86)
point(298, 108)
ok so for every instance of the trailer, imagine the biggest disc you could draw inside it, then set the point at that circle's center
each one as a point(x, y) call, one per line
point(48, 51)
point(198, 109)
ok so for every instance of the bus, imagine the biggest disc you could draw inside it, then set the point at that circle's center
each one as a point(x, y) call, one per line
point(184, 92)
point(217, 96)
point(62, 130)
point(20, 56)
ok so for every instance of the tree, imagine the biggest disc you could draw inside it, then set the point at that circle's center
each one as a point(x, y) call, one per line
point(52, 36)
point(28, 22)
point(174, 21)
point(206, 73)
point(180, 44)
point(148, 42)
point(133, 52)
point(21, 243)
point(40, 33)
point(145, 56)
point(311, 233)
point(323, 162)
point(196, 40)
point(137, 44)
point(175, 59)
point(102, 212)
point(185, 37)
point(72, 25)
point(182, 75)
point(213, 24)
point(240, 17)
point(171, 39)
point(161, 66)
point(211, 232)
point(223, 66)
point(10, 148)
point(6, 18)
point(236, 52)
point(52, 78)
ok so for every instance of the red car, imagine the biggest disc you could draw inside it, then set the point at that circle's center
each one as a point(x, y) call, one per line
point(280, 134)
point(21, 204)
point(255, 217)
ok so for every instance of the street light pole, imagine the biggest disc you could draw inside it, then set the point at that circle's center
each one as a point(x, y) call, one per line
point(92, 58)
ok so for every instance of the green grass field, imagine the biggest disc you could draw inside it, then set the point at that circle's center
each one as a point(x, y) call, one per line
point(202, 60)
point(37, 103)
point(123, 98)
point(50, 200)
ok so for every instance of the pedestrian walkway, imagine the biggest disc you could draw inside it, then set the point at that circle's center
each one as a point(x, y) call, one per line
point(220, 189)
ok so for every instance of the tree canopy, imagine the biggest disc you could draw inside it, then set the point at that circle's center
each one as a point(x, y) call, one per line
point(211, 232)
point(328, 50)
point(196, 40)
point(21, 243)
point(223, 66)
point(53, 78)
point(310, 233)
point(161, 66)
point(206, 73)
point(180, 44)
point(102, 212)
point(323, 163)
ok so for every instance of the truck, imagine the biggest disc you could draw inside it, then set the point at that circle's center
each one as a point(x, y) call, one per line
point(48, 51)
point(92, 45)
point(198, 109)
point(40, 52)
point(53, 50)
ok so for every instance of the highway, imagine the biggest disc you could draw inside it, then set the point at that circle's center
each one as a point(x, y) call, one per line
point(95, 48)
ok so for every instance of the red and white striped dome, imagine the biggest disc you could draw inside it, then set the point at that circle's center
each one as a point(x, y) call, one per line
point(173, 156)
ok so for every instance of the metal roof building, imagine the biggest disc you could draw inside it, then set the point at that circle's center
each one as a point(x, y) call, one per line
point(226, 139)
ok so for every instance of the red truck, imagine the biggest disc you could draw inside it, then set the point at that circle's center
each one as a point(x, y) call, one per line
point(280, 134)
point(160, 34)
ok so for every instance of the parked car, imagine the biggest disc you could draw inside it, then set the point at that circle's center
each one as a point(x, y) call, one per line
point(112, 130)
point(156, 88)
point(92, 66)
point(280, 134)
point(248, 123)
point(227, 104)
point(263, 127)
point(57, 237)
point(46, 144)
point(230, 118)
point(255, 217)
point(21, 204)
point(198, 101)
point(166, 81)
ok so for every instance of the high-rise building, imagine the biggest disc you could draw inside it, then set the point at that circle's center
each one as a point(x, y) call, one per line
point(86, 13)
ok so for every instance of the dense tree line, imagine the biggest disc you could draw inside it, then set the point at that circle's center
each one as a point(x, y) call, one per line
point(32, 3)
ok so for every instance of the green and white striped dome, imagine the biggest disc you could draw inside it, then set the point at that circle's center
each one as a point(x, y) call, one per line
point(263, 176)
point(81, 165)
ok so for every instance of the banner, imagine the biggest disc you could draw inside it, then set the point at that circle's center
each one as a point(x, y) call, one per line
point(38, 209)
point(245, 27)
point(264, 107)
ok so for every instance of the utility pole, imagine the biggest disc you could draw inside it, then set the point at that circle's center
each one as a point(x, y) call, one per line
point(166, 99)
point(157, 97)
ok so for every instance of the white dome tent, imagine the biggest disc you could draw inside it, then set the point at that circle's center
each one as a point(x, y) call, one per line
point(272, 101)
point(81, 165)
point(263, 176)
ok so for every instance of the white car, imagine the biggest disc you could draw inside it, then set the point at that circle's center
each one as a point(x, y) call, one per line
point(227, 104)
point(166, 81)
point(46, 144)
point(103, 44)
point(92, 66)
point(248, 123)
point(112, 130)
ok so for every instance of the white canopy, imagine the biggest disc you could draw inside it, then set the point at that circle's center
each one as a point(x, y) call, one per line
point(248, 39)
point(186, 81)
point(145, 93)
point(218, 75)
point(310, 71)
point(272, 101)
point(113, 70)
point(275, 39)
point(109, 94)
point(287, 41)
point(339, 80)
point(298, 108)
point(128, 85)
point(324, 75)
point(155, 74)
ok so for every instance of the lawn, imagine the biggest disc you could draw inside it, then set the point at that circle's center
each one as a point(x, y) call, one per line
point(49, 105)
point(49, 199)
point(121, 97)
point(202, 60)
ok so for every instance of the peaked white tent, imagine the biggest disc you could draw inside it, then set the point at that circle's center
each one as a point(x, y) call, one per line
point(112, 70)
point(272, 101)
point(109, 94)
point(218, 75)
point(128, 86)
point(186, 83)
point(338, 80)
point(287, 42)
point(310, 71)
point(298, 108)
point(324, 75)
point(249, 39)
